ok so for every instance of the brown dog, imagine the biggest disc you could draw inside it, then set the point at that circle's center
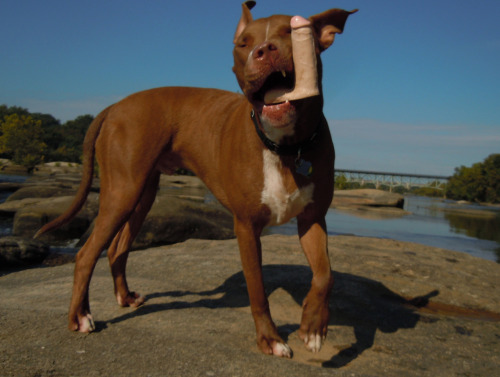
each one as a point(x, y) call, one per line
point(265, 163)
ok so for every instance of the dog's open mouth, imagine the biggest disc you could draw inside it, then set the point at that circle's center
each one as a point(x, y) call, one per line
point(279, 114)
point(279, 82)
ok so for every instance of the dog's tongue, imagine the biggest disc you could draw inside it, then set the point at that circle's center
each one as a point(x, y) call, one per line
point(304, 60)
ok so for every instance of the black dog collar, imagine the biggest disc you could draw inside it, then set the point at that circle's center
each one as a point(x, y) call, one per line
point(280, 149)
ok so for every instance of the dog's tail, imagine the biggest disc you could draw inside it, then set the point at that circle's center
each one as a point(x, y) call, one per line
point(87, 176)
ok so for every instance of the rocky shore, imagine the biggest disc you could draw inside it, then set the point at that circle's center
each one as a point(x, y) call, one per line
point(398, 309)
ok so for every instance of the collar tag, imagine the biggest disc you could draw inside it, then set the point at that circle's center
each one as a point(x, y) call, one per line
point(303, 167)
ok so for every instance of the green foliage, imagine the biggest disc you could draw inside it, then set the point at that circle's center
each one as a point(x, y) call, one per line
point(21, 140)
point(341, 182)
point(63, 141)
point(399, 190)
point(478, 183)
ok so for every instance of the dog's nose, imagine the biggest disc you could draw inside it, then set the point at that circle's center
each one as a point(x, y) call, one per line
point(265, 50)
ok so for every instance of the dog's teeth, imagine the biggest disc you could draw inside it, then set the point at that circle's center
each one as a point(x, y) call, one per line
point(283, 73)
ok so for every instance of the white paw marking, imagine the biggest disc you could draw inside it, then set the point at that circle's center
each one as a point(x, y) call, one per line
point(313, 343)
point(283, 205)
point(138, 301)
point(87, 324)
point(282, 350)
point(120, 301)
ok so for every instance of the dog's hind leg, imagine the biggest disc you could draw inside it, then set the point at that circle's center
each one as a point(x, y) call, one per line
point(119, 249)
point(115, 208)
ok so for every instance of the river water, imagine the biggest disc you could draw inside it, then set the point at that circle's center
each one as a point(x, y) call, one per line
point(430, 223)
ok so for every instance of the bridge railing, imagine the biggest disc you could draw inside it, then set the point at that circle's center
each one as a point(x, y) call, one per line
point(392, 180)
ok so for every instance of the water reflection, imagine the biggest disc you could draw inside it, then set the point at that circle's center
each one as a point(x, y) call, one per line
point(478, 227)
point(484, 228)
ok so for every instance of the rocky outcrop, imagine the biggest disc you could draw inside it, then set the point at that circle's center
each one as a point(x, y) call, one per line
point(30, 218)
point(20, 252)
point(175, 219)
point(183, 209)
point(42, 191)
point(367, 197)
point(397, 309)
point(369, 203)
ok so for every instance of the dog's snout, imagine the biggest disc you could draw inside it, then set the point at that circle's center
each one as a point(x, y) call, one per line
point(265, 50)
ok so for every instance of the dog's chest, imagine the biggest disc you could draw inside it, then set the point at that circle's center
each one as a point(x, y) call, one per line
point(283, 204)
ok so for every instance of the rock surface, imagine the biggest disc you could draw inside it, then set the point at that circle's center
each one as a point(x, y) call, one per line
point(369, 203)
point(367, 197)
point(30, 218)
point(398, 309)
point(19, 252)
point(182, 210)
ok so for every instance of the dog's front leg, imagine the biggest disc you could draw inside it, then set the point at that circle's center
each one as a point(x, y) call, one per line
point(315, 312)
point(268, 339)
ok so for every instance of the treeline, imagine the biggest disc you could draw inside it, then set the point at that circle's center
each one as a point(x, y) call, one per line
point(478, 183)
point(31, 138)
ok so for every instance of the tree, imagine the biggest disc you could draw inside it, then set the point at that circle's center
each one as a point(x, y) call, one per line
point(491, 168)
point(73, 132)
point(479, 183)
point(21, 140)
point(63, 141)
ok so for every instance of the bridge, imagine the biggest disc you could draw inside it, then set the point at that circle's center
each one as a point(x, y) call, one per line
point(392, 179)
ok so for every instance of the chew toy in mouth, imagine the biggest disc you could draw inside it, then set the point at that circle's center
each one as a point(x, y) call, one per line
point(304, 60)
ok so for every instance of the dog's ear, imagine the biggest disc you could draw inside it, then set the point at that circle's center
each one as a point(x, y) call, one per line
point(329, 23)
point(246, 18)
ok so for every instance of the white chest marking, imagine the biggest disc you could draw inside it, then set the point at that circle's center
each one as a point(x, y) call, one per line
point(283, 205)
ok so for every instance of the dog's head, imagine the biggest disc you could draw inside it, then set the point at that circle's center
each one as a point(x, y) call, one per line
point(263, 60)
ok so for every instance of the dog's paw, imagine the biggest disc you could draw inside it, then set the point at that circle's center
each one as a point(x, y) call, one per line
point(282, 350)
point(87, 324)
point(132, 299)
point(275, 347)
point(313, 342)
point(84, 323)
point(314, 325)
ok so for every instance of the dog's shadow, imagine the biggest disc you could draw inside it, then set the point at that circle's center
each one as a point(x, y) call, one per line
point(363, 304)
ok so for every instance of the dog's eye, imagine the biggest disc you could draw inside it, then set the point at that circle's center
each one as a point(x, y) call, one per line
point(285, 31)
point(244, 41)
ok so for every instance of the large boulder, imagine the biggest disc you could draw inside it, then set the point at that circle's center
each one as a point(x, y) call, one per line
point(20, 252)
point(42, 191)
point(182, 210)
point(369, 203)
point(367, 197)
point(30, 218)
point(175, 219)
point(9, 209)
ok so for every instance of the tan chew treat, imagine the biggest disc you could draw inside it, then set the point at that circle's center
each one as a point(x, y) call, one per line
point(304, 60)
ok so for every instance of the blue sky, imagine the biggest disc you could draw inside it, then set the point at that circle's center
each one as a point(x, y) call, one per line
point(410, 86)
